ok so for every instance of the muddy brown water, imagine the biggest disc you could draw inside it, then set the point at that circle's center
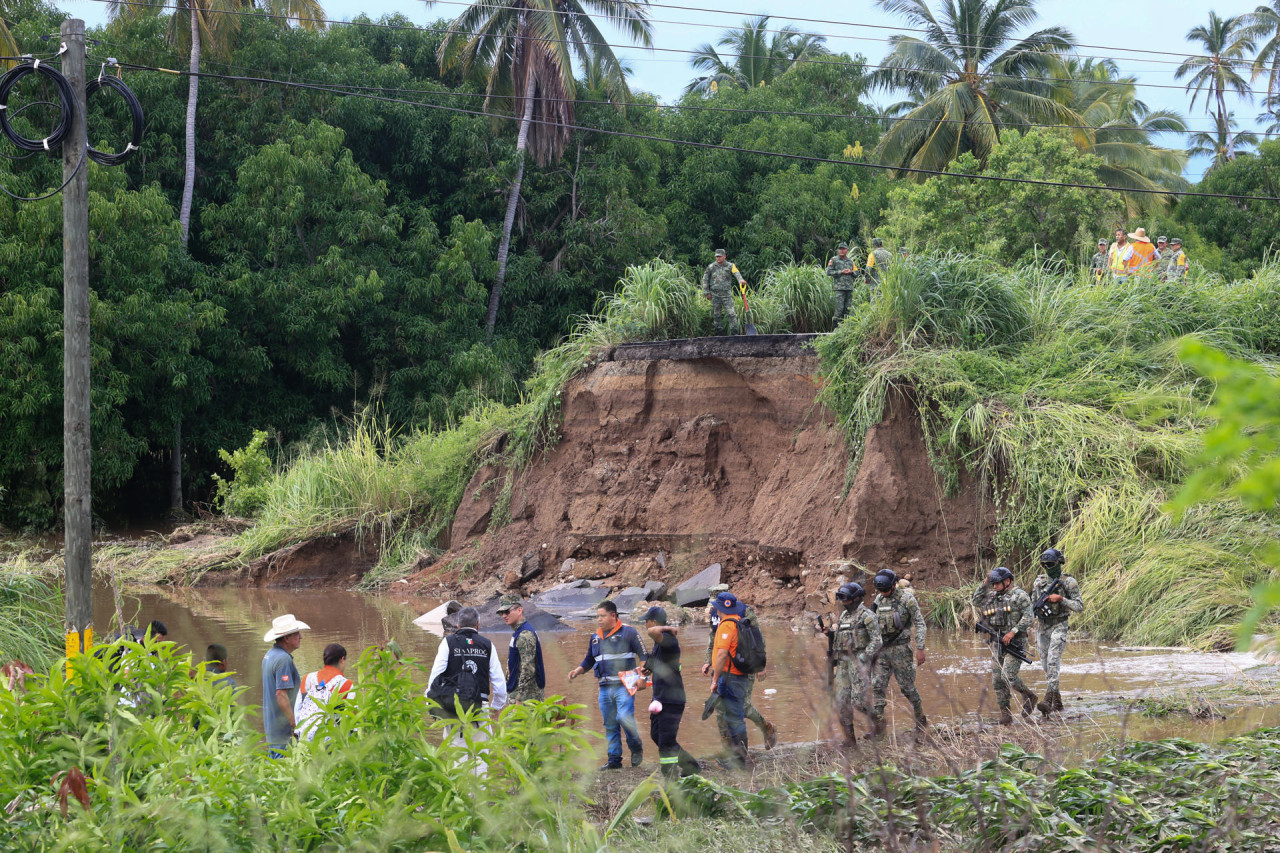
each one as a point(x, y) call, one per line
point(954, 682)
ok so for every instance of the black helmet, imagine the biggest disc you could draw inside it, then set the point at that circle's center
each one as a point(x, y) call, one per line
point(999, 574)
point(851, 592)
point(885, 579)
point(1053, 557)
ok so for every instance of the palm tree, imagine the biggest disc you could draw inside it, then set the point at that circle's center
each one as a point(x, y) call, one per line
point(966, 78)
point(197, 25)
point(1113, 124)
point(8, 47)
point(528, 47)
point(1226, 42)
point(1221, 143)
point(753, 57)
point(1263, 25)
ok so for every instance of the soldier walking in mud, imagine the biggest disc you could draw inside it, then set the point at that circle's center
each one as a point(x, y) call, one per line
point(718, 284)
point(1006, 609)
point(1056, 597)
point(857, 642)
point(768, 729)
point(843, 272)
point(900, 619)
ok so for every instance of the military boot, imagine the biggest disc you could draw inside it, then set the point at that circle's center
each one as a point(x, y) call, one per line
point(922, 722)
point(877, 726)
point(1006, 719)
point(1029, 703)
point(740, 756)
point(1057, 699)
point(1045, 705)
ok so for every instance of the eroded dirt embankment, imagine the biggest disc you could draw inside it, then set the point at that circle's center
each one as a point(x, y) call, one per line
point(667, 465)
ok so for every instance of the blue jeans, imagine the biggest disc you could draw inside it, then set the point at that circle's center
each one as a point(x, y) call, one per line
point(733, 698)
point(618, 707)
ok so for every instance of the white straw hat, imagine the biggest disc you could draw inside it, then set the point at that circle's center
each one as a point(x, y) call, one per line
point(283, 626)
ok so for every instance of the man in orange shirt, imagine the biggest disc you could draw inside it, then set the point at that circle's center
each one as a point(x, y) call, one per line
point(1144, 254)
point(726, 679)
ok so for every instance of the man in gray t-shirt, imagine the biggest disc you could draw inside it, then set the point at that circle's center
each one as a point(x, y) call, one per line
point(280, 682)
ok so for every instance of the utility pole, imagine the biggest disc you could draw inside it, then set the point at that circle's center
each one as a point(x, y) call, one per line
point(78, 518)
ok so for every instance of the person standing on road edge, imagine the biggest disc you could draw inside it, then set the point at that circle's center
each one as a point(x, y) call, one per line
point(669, 697)
point(718, 286)
point(612, 649)
point(843, 272)
point(900, 621)
point(750, 711)
point(526, 678)
point(1098, 266)
point(1051, 622)
point(280, 682)
point(878, 260)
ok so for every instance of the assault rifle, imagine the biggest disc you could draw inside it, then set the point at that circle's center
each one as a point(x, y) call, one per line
point(1042, 607)
point(831, 649)
point(995, 636)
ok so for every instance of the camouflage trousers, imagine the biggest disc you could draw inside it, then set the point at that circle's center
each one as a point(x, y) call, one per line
point(523, 693)
point(844, 301)
point(873, 284)
point(898, 662)
point(724, 320)
point(1053, 639)
point(749, 711)
point(1004, 675)
point(852, 690)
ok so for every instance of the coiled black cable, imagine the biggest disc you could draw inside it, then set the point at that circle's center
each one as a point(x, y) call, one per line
point(106, 81)
point(65, 95)
point(19, 112)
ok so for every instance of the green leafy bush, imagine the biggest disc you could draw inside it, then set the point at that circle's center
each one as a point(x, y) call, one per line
point(246, 492)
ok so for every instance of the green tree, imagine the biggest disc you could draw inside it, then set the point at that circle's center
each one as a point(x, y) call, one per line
point(1226, 43)
point(755, 56)
point(1121, 129)
point(1012, 223)
point(527, 48)
point(1246, 230)
point(1262, 25)
point(966, 78)
point(1221, 142)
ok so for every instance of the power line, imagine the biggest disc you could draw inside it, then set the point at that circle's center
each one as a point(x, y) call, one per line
point(545, 40)
point(808, 158)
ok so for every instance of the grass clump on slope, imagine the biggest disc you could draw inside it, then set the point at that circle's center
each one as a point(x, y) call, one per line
point(1069, 403)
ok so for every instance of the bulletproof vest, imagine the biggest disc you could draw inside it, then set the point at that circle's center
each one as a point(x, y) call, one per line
point(469, 652)
point(998, 612)
point(852, 634)
point(894, 620)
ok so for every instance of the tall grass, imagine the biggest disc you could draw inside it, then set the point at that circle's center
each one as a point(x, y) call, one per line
point(31, 620)
point(796, 298)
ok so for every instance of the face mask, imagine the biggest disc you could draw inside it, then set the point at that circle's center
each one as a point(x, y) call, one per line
point(1054, 571)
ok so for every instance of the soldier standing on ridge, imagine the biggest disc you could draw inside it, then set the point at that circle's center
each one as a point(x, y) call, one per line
point(857, 642)
point(877, 262)
point(1052, 622)
point(843, 271)
point(1175, 263)
point(1007, 609)
point(900, 620)
point(1098, 266)
point(718, 283)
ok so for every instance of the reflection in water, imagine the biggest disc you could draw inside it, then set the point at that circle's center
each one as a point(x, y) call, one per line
point(954, 683)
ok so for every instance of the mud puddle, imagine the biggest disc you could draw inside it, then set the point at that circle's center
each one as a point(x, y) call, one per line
point(1099, 683)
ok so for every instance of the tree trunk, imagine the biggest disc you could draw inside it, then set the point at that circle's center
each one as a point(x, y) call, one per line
point(193, 91)
point(175, 474)
point(508, 222)
point(1226, 127)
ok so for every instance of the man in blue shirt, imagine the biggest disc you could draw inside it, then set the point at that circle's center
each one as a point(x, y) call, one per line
point(280, 682)
point(615, 648)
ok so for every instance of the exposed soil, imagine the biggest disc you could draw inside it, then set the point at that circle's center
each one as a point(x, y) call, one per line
point(328, 561)
point(666, 466)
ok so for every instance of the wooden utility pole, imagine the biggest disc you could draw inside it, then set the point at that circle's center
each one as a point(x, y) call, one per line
point(78, 518)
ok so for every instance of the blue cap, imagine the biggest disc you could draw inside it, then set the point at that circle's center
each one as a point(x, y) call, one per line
point(728, 604)
point(656, 615)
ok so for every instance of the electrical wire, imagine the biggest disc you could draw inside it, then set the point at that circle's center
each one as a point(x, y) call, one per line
point(17, 113)
point(546, 40)
point(807, 158)
point(65, 95)
point(51, 193)
point(107, 81)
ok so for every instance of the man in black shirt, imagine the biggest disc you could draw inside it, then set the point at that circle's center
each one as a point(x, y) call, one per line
point(663, 664)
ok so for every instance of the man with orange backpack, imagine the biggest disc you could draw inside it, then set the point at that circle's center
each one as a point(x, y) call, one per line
point(737, 653)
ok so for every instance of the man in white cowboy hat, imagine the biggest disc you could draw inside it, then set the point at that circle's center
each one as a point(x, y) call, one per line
point(280, 682)
point(1144, 253)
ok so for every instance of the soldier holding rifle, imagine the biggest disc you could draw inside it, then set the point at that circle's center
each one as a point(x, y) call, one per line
point(1004, 615)
point(1056, 597)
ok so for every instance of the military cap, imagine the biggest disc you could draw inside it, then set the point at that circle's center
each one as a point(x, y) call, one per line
point(1102, 242)
point(720, 252)
point(877, 242)
point(1162, 239)
point(1176, 241)
point(843, 246)
point(508, 602)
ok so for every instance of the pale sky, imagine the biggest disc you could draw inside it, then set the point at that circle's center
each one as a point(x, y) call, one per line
point(1143, 24)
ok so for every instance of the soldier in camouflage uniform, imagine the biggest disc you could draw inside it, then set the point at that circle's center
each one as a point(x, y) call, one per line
point(718, 285)
point(1007, 609)
point(843, 272)
point(1174, 265)
point(877, 262)
point(1051, 622)
point(1098, 266)
point(750, 711)
point(526, 678)
point(857, 642)
point(900, 620)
